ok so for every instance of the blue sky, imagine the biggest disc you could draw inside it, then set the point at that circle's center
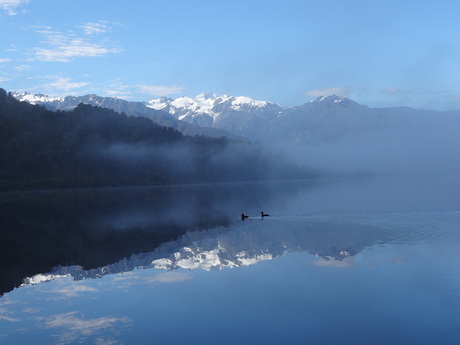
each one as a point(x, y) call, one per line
point(378, 53)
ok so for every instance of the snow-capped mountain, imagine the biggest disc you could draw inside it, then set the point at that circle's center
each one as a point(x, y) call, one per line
point(121, 106)
point(236, 114)
point(37, 98)
point(326, 119)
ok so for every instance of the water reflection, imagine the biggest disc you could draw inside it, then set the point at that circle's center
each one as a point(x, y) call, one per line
point(305, 272)
point(92, 233)
point(96, 228)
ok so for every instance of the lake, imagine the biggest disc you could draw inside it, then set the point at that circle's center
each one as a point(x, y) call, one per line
point(372, 260)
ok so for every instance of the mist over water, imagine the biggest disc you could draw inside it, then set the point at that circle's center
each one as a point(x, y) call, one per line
point(424, 149)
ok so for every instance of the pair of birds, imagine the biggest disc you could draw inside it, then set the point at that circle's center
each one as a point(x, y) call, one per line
point(262, 214)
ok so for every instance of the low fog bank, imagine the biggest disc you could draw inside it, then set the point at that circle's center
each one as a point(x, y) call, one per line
point(417, 151)
point(185, 162)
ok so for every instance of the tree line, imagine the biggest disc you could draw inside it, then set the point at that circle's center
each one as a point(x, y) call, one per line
point(98, 147)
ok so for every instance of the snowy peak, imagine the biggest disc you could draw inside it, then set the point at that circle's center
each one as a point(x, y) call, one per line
point(333, 99)
point(37, 98)
point(156, 110)
point(241, 101)
point(209, 104)
point(159, 103)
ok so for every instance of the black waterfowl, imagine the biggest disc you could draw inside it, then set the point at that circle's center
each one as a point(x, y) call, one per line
point(264, 214)
point(243, 216)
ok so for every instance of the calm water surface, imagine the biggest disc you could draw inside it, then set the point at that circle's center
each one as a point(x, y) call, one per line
point(350, 261)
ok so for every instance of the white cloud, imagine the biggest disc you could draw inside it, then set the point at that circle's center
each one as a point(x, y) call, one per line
point(21, 67)
point(76, 327)
point(5, 317)
point(94, 28)
point(4, 60)
point(65, 46)
point(160, 90)
point(4, 79)
point(9, 319)
point(338, 91)
point(62, 84)
point(75, 290)
point(9, 6)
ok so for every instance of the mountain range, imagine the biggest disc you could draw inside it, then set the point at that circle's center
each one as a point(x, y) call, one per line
point(323, 120)
point(119, 105)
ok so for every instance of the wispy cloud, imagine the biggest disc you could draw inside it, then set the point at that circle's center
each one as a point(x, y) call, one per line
point(10, 6)
point(21, 67)
point(75, 290)
point(75, 327)
point(60, 84)
point(59, 46)
point(160, 90)
point(5, 317)
point(95, 28)
point(338, 91)
point(121, 90)
point(2, 61)
point(9, 319)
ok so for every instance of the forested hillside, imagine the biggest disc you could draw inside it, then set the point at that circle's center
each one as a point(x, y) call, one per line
point(95, 147)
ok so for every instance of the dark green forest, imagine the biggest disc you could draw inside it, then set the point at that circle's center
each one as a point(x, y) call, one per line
point(97, 147)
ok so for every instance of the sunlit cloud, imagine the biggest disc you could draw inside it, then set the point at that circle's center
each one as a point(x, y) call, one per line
point(73, 326)
point(4, 60)
point(338, 91)
point(60, 46)
point(10, 6)
point(160, 90)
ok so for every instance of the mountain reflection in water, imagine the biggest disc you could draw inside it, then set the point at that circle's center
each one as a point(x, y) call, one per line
point(391, 249)
point(96, 228)
point(91, 233)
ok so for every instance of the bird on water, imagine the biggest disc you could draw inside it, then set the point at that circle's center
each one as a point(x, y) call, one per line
point(243, 216)
point(264, 214)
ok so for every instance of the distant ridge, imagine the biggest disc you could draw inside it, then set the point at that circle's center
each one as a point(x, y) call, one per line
point(326, 119)
point(119, 105)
